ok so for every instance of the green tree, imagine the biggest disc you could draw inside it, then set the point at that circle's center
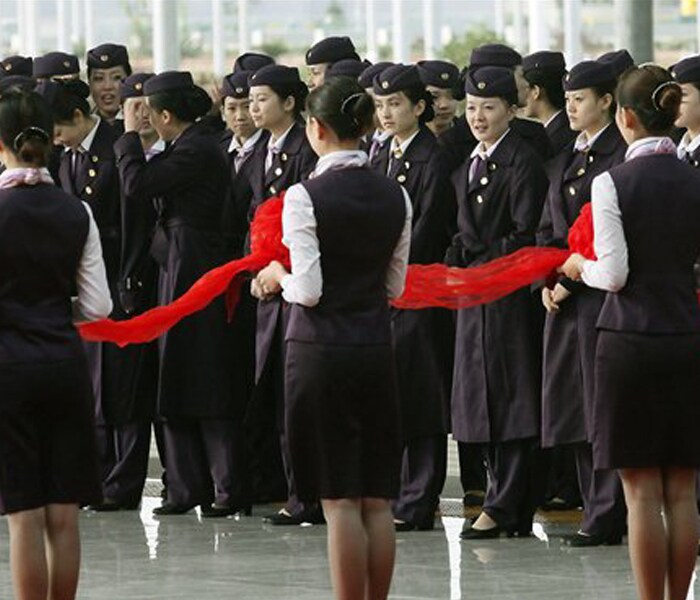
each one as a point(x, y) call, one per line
point(460, 48)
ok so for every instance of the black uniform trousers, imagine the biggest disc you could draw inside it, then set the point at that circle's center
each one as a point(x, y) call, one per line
point(472, 472)
point(515, 486)
point(205, 461)
point(604, 509)
point(423, 473)
point(123, 452)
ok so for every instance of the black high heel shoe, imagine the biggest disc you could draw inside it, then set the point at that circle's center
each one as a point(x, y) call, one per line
point(169, 508)
point(481, 534)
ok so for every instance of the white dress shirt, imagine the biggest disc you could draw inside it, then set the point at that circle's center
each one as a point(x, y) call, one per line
point(401, 148)
point(688, 146)
point(583, 142)
point(275, 146)
point(304, 285)
point(610, 269)
point(243, 150)
point(94, 300)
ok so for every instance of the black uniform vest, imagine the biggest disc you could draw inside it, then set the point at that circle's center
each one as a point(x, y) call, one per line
point(43, 232)
point(360, 216)
point(660, 206)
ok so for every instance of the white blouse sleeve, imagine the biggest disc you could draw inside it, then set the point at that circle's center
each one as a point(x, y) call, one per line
point(94, 300)
point(609, 272)
point(396, 273)
point(304, 285)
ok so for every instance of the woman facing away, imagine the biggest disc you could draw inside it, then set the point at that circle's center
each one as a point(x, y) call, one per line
point(48, 456)
point(348, 233)
point(646, 216)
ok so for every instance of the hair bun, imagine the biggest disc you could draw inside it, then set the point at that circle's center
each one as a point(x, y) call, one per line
point(667, 97)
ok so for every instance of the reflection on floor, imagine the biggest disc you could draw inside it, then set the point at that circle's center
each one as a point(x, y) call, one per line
point(132, 556)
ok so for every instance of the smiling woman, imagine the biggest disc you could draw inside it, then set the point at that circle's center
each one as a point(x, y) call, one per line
point(107, 65)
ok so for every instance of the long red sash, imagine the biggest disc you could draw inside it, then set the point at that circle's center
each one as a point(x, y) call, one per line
point(426, 285)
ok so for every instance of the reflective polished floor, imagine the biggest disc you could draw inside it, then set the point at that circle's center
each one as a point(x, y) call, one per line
point(132, 556)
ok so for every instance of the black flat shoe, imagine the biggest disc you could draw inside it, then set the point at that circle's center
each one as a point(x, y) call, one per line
point(220, 510)
point(109, 505)
point(582, 540)
point(481, 534)
point(169, 508)
point(411, 526)
point(314, 516)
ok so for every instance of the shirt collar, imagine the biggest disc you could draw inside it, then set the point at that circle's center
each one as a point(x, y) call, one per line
point(554, 116)
point(247, 145)
point(583, 141)
point(279, 142)
point(380, 136)
point(86, 144)
point(156, 148)
point(650, 145)
point(403, 146)
point(487, 153)
point(688, 146)
point(340, 159)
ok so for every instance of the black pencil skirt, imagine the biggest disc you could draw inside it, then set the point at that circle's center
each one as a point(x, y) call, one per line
point(48, 453)
point(647, 400)
point(342, 419)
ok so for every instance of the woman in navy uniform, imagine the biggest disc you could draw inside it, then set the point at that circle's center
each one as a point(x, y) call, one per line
point(277, 96)
point(88, 170)
point(544, 72)
point(373, 141)
point(572, 308)
point(619, 60)
point(646, 219)
point(687, 74)
point(500, 55)
point(239, 143)
point(443, 82)
point(496, 385)
point(423, 339)
point(107, 66)
point(326, 52)
point(188, 182)
point(56, 66)
point(16, 65)
point(348, 232)
point(50, 249)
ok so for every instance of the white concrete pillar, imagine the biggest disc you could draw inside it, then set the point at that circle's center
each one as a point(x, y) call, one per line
point(218, 40)
point(166, 45)
point(397, 31)
point(243, 37)
point(499, 17)
point(538, 25)
point(30, 27)
point(371, 31)
point(63, 32)
point(572, 32)
point(90, 33)
point(519, 41)
point(428, 29)
point(76, 33)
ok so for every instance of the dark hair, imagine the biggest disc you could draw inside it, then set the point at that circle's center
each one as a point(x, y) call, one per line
point(66, 97)
point(342, 104)
point(297, 90)
point(26, 126)
point(186, 104)
point(652, 94)
point(415, 94)
point(550, 82)
point(607, 88)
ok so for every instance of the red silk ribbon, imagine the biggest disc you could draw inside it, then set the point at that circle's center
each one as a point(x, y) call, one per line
point(426, 285)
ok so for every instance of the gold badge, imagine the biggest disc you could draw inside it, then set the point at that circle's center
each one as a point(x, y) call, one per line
point(480, 199)
point(407, 165)
point(88, 190)
point(567, 78)
point(66, 64)
point(590, 159)
point(572, 190)
point(580, 172)
point(8, 67)
point(104, 57)
point(273, 191)
point(484, 180)
point(481, 85)
point(444, 76)
point(284, 157)
point(278, 171)
point(239, 90)
point(401, 178)
point(385, 84)
point(492, 166)
point(138, 87)
point(94, 158)
point(92, 173)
